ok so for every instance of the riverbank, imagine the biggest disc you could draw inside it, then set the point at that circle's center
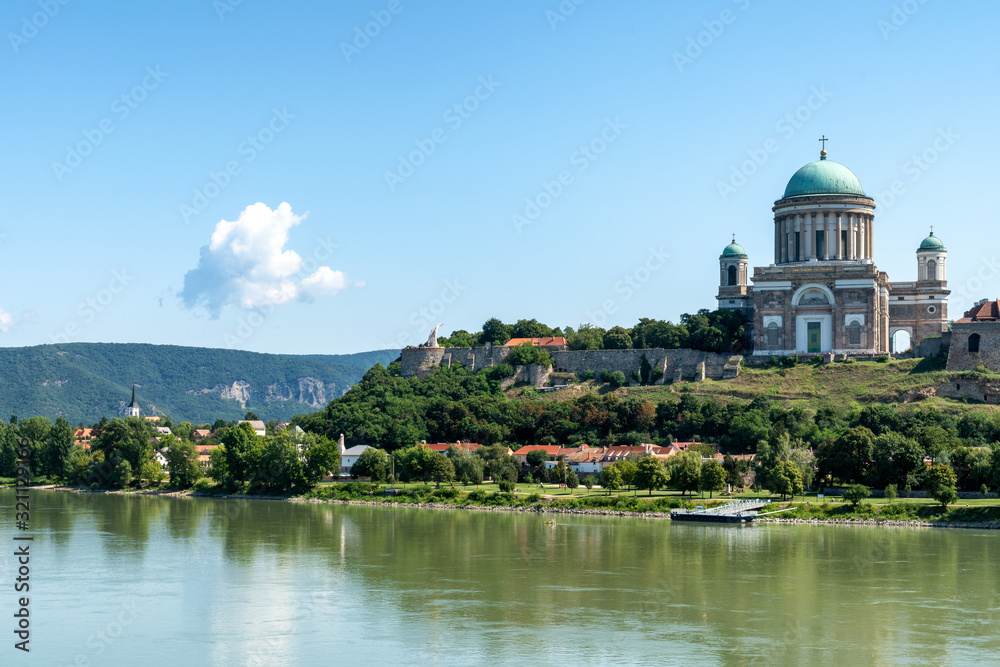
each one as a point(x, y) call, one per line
point(633, 507)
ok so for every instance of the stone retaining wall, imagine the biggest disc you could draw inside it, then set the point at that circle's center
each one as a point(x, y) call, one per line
point(683, 364)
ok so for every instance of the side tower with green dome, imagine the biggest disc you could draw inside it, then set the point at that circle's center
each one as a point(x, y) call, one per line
point(920, 308)
point(734, 291)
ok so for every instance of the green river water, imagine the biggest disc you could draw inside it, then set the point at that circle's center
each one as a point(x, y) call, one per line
point(126, 580)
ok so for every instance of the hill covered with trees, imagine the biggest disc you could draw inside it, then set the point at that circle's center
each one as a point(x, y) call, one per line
point(86, 381)
point(874, 443)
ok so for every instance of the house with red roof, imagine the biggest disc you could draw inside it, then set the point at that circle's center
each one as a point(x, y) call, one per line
point(551, 343)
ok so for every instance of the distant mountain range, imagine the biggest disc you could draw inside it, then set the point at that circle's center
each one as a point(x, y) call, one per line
point(85, 381)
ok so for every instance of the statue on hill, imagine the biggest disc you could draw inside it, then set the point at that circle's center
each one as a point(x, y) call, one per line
point(432, 340)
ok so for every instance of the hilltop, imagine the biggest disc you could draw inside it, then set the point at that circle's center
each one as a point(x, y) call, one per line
point(809, 385)
point(85, 381)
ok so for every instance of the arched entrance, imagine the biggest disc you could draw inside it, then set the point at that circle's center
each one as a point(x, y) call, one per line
point(899, 341)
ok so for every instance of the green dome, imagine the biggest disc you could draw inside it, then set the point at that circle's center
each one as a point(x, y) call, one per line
point(823, 177)
point(734, 249)
point(931, 243)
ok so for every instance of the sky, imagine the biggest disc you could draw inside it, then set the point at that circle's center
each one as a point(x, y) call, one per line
point(333, 177)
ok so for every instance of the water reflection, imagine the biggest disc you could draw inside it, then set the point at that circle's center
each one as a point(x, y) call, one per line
point(231, 582)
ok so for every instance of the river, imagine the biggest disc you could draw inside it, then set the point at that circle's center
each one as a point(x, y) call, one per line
point(137, 580)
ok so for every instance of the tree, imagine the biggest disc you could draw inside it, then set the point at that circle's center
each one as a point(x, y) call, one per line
point(373, 463)
point(685, 472)
point(891, 493)
point(617, 338)
point(628, 468)
point(60, 448)
point(785, 479)
point(151, 473)
point(527, 354)
point(537, 458)
point(122, 475)
point(125, 439)
point(589, 481)
point(249, 416)
point(941, 481)
point(495, 332)
point(441, 469)
point(848, 457)
point(650, 474)
point(243, 452)
point(856, 494)
point(572, 479)
point(611, 478)
point(713, 476)
point(530, 329)
point(468, 468)
point(182, 462)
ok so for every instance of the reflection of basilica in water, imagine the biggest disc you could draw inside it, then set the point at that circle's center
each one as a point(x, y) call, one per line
point(823, 292)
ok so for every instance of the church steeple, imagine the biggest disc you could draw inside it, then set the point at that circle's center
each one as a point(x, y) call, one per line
point(132, 410)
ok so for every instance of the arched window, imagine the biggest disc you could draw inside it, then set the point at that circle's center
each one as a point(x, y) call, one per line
point(931, 270)
point(772, 335)
point(974, 344)
point(854, 333)
point(814, 297)
point(732, 275)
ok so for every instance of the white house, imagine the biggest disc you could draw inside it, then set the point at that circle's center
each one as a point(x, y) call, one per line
point(256, 424)
point(348, 457)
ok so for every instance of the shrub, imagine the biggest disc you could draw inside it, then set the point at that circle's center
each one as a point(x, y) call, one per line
point(856, 494)
point(446, 493)
point(882, 358)
point(501, 372)
point(616, 379)
point(890, 493)
point(636, 378)
point(534, 498)
point(202, 484)
point(477, 496)
point(506, 486)
point(587, 375)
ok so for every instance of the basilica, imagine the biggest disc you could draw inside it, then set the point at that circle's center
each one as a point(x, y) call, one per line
point(823, 291)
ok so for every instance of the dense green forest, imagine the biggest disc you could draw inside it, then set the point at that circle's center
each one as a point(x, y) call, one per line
point(86, 381)
point(875, 444)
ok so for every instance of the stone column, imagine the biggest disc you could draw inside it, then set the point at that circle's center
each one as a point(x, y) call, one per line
point(850, 236)
point(838, 230)
point(777, 234)
point(808, 222)
point(871, 236)
point(862, 239)
point(826, 235)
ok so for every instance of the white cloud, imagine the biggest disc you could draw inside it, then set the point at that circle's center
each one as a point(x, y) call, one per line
point(6, 321)
point(246, 265)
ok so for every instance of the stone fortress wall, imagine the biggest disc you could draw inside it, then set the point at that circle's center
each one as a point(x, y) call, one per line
point(681, 364)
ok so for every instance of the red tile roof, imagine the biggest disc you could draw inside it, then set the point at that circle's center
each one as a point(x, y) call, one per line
point(540, 342)
point(984, 311)
point(551, 450)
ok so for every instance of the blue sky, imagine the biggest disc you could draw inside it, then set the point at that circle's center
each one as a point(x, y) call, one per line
point(560, 161)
